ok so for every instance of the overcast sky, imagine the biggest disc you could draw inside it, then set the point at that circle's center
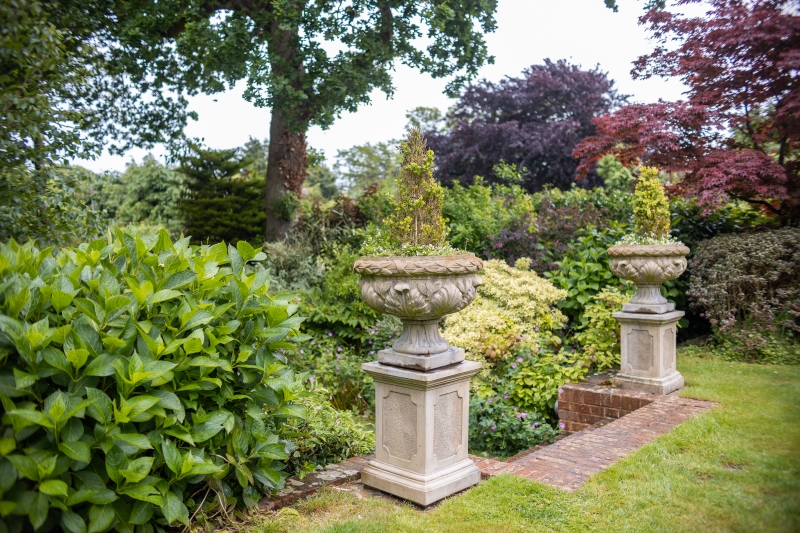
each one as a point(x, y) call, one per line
point(584, 32)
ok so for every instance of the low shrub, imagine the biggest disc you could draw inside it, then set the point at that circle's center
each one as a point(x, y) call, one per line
point(478, 212)
point(598, 335)
point(557, 224)
point(513, 308)
point(335, 304)
point(325, 436)
point(141, 381)
point(748, 286)
point(498, 428)
point(536, 378)
point(334, 363)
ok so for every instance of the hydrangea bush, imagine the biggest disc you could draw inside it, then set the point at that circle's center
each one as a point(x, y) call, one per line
point(142, 381)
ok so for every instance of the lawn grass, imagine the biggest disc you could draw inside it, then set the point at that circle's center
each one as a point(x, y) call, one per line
point(735, 468)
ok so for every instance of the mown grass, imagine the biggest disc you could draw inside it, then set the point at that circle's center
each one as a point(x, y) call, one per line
point(735, 468)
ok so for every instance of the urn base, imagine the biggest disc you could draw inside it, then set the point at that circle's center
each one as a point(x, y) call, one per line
point(421, 362)
point(653, 309)
point(421, 432)
point(663, 385)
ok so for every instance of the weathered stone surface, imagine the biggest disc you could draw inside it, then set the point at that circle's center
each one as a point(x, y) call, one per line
point(648, 266)
point(648, 352)
point(420, 291)
point(430, 462)
point(399, 425)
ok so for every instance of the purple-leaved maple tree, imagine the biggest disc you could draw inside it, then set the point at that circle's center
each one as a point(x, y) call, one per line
point(737, 135)
point(533, 121)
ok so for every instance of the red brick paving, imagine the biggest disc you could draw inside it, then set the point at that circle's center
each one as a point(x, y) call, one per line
point(607, 424)
point(567, 464)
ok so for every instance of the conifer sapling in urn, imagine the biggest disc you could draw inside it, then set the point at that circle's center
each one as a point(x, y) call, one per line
point(650, 255)
point(410, 270)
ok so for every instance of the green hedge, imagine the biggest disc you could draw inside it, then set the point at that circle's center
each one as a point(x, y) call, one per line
point(140, 379)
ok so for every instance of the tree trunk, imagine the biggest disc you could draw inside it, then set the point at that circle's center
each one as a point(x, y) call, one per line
point(286, 162)
point(286, 172)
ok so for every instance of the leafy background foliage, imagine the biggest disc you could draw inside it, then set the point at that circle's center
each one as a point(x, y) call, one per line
point(141, 381)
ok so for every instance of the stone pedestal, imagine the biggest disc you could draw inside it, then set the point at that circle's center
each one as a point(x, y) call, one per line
point(421, 432)
point(648, 352)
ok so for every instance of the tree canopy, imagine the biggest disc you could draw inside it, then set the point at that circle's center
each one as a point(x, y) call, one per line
point(532, 122)
point(738, 133)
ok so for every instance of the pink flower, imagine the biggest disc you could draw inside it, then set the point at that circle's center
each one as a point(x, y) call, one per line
point(301, 351)
point(494, 427)
point(515, 408)
point(536, 328)
point(312, 342)
point(519, 359)
point(337, 367)
point(311, 379)
point(330, 334)
point(513, 365)
point(562, 425)
point(491, 399)
point(339, 349)
point(372, 352)
point(370, 342)
point(372, 332)
point(505, 396)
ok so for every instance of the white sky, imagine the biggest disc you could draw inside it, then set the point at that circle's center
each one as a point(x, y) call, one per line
point(584, 32)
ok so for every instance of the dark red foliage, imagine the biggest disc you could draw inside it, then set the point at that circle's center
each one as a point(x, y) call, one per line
point(533, 121)
point(738, 135)
point(557, 226)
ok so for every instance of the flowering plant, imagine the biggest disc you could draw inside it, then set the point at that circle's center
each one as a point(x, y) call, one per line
point(498, 427)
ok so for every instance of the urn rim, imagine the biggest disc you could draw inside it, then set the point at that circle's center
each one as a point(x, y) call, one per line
point(418, 265)
point(648, 250)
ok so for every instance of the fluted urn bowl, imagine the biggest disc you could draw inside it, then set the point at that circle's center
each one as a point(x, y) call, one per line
point(420, 291)
point(648, 266)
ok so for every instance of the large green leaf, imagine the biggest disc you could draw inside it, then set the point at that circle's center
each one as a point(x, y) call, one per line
point(137, 469)
point(174, 510)
point(78, 451)
point(100, 518)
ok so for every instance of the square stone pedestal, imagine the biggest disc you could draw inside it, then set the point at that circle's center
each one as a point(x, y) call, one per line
point(648, 352)
point(421, 432)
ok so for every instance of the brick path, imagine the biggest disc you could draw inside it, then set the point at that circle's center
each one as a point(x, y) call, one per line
point(568, 463)
point(565, 464)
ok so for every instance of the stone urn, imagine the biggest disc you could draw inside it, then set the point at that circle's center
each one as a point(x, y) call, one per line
point(648, 323)
point(421, 382)
point(420, 291)
point(648, 266)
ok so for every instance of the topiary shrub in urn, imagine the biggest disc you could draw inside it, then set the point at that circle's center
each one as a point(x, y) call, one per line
point(648, 257)
point(421, 382)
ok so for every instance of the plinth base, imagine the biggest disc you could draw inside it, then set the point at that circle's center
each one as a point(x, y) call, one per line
point(421, 432)
point(421, 362)
point(421, 489)
point(663, 385)
point(647, 358)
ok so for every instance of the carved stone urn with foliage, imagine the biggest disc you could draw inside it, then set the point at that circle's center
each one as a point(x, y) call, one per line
point(650, 256)
point(421, 382)
point(412, 273)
